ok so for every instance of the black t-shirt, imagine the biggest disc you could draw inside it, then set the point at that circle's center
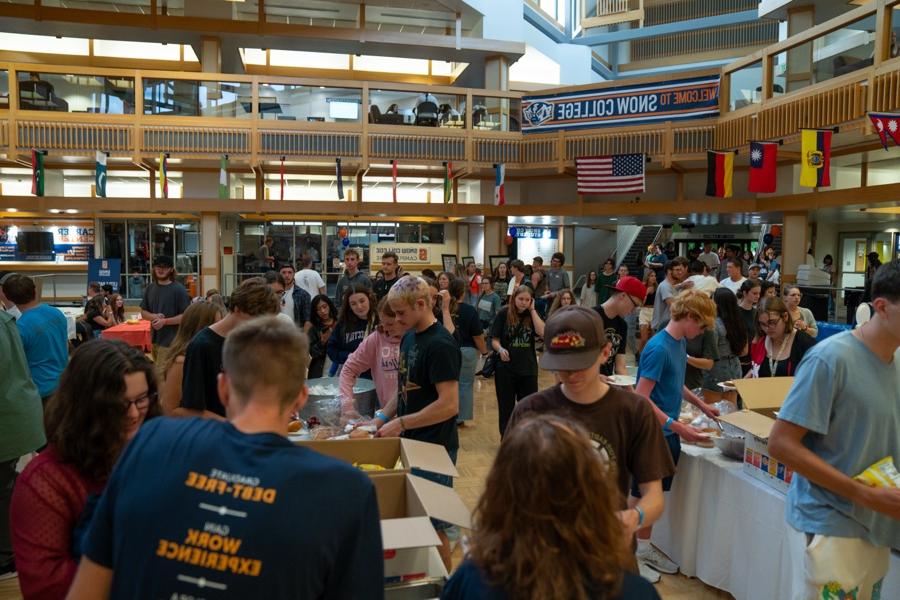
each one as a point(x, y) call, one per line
point(519, 341)
point(382, 286)
point(202, 365)
point(622, 426)
point(171, 300)
point(749, 316)
point(617, 333)
point(90, 313)
point(426, 359)
point(467, 324)
point(470, 582)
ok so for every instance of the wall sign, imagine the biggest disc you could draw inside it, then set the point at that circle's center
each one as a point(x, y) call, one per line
point(105, 271)
point(534, 233)
point(71, 243)
point(409, 254)
point(693, 98)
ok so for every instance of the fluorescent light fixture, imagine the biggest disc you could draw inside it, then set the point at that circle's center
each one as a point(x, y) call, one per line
point(12, 210)
point(613, 219)
point(71, 211)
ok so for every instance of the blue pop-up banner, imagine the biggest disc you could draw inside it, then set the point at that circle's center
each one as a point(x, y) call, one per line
point(637, 104)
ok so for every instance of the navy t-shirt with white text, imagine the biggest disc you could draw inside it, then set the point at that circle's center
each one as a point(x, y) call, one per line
point(197, 509)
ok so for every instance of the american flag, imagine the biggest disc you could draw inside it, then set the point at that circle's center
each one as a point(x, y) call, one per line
point(615, 174)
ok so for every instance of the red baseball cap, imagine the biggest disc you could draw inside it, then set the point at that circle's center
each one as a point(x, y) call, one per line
point(631, 286)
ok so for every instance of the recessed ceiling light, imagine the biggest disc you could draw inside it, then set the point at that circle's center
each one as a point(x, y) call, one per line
point(682, 218)
point(71, 211)
point(613, 219)
point(12, 210)
point(55, 211)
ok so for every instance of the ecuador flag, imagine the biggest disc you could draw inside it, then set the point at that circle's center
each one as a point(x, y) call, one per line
point(815, 158)
point(720, 166)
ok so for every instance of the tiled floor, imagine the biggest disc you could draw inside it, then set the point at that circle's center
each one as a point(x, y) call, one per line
point(478, 443)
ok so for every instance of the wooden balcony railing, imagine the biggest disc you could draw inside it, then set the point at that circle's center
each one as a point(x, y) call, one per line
point(683, 10)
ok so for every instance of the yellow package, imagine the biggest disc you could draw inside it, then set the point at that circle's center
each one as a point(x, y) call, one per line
point(368, 467)
point(881, 474)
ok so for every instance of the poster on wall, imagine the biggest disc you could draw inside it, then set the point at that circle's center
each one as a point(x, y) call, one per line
point(72, 242)
point(105, 271)
point(408, 254)
point(630, 104)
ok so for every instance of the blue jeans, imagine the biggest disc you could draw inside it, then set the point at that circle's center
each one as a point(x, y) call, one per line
point(441, 479)
point(467, 383)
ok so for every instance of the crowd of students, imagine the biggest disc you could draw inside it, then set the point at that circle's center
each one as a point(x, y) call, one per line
point(581, 472)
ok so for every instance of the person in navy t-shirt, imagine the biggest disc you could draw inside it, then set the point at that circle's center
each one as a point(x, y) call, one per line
point(209, 509)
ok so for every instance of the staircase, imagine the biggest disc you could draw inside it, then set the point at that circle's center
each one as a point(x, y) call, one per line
point(634, 257)
point(776, 243)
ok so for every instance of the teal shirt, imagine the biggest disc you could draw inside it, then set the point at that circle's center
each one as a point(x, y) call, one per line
point(849, 400)
point(21, 413)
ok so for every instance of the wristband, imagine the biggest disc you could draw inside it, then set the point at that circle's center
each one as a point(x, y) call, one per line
point(668, 422)
point(379, 414)
point(640, 515)
point(402, 426)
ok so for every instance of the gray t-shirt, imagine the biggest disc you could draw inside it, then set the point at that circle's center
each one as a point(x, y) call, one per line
point(660, 309)
point(557, 279)
point(171, 300)
point(849, 400)
point(345, 282)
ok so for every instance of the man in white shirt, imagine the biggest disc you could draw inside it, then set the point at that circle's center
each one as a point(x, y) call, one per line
point(734, 280)
point(309, 279)
point(709, 258)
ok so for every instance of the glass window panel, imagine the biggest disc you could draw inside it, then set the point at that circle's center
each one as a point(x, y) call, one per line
point(44, 43)
point(408, 233)
point(253, 56)
point(391, 64)
point(496, 114)
point(308, 242)
point(745, 86)
point(314, 13)
point(163, 239)
point(834, 54)
point(76, 93)
point(114, 246)
point(139, 50)
point(432, 233)
point(4, 89)
point(283, 242)
point(309, 60)
point(132, 6)
point(138, 257)
point(390, 107)
point(288, 102)
point(187, 247)
point(185, 97)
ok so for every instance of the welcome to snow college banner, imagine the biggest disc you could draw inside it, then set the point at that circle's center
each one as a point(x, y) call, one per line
point(694, 98)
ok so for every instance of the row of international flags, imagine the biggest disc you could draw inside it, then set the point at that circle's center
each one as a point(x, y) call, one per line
point(609, 174)
point(38, 175)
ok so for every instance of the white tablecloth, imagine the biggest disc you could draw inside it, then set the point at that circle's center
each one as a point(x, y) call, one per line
point(729, 530)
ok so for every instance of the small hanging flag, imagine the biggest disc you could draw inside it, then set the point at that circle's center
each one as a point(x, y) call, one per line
point(223, 177)
point(340, 179)
point(282, 178)
point(448, 181)
point(164, 174)
point(394, 179)
point(37, 172)
point(499, 179)
point(815, 157)
point(720, 168)
point(100, 175)
point(763, 167)
point(886, 124)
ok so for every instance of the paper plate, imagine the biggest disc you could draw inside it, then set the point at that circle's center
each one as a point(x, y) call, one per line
point(621, 380)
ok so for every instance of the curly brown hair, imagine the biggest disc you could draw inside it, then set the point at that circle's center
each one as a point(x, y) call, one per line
point(85, 418)
point(546, 525)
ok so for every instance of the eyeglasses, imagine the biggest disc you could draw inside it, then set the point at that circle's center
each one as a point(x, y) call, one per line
point(633, 301)
point(141, 402)
point(769, 324)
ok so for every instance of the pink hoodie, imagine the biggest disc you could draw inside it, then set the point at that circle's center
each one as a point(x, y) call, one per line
point(380, 354)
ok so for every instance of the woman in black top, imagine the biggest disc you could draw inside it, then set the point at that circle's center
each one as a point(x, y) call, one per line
point(512, 337)
point(780, 347)
point(323, 317)
point(748, 298)
point(98, 314)
point(501, 281)
point(461, 320)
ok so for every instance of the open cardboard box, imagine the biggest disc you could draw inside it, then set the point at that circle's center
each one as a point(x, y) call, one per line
point(387, 452)
point(762, 398)
point(407, 504)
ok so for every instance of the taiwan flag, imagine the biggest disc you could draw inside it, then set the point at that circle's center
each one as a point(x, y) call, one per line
point(763, 171)
point(886, 124)
point(720, 170)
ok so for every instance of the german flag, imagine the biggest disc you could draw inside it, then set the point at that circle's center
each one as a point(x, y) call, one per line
point(720, 166)
point(815, 157)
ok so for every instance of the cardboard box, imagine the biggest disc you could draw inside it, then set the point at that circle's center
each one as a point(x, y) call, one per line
point(407, 504)
point(762, 398)
point(387, 452)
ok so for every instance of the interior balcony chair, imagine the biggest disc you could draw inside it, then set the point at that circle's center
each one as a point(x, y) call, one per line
point(427, 114)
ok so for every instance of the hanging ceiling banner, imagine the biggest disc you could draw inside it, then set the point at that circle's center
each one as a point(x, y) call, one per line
point(636, 104)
